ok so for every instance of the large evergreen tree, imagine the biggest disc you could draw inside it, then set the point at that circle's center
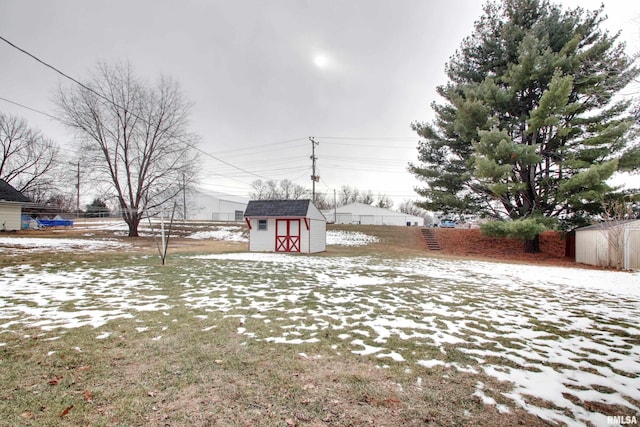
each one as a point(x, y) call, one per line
point(531, 127)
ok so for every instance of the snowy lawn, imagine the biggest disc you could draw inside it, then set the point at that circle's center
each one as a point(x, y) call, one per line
point(18, 245)
point(236, 233)
point(203, 231)
point(566, 341)
point(232, 233)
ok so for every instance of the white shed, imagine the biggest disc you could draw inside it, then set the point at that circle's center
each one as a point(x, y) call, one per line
point(360, 213)
point(285, 226)
point(612, 244)
point(11, 201)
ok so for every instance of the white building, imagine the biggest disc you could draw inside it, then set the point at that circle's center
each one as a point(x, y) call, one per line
point(360, 213)
point(285, 226)
point(614, 244)
point(11, 201)
point(206, 205)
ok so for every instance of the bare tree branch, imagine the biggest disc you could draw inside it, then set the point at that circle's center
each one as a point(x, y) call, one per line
point(28, 161)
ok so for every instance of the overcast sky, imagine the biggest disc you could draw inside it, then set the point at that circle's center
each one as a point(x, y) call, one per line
point(263, 76)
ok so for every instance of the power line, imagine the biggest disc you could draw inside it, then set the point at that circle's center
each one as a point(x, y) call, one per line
point(253, 147)
point(118, 106)
point(361, 161)
point(207, 173)
point(334, 140)
point(372, 160)
point(272, 162)
point(63, 74)
point(29, 108)
point(383, 138)
point(300, 176)
point(372, 145)
point(327, 185)
point(214, 157)
point(190, 145)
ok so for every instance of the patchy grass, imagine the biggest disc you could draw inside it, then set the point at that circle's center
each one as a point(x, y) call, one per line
point(192, 377)
point(356, 336)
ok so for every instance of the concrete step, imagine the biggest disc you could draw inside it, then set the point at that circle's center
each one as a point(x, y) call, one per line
point(430, 239)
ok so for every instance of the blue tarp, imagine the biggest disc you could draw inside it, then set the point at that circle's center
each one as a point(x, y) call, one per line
point(55, 222)
point(29, 222)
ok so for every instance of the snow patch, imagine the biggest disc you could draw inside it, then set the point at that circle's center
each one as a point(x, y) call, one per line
point(43, 244)
point(349, 238)
point(229, 234)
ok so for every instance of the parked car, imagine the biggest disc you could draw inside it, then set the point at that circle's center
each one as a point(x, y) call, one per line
point(447, 223)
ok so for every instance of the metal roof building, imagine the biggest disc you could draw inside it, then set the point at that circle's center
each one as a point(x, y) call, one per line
point(360, 213)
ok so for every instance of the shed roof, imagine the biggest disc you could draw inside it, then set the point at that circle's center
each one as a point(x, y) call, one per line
point(10, 194)
point(275, 208)
point(610, 224)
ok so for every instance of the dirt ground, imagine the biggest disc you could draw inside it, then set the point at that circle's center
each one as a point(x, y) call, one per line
point(471, 243)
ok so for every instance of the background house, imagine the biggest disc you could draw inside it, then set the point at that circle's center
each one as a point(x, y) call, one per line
point(215, 206)
point(11, 201)
point(285, 226)
point(614, 244)
point(360, 213)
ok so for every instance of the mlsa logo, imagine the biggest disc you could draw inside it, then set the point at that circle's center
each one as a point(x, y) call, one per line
point(622, 420)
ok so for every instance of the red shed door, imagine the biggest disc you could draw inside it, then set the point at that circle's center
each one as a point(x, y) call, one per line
point(287, 235)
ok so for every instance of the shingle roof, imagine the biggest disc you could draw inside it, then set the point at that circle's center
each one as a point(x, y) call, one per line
point(10, 194)
point(273, 208)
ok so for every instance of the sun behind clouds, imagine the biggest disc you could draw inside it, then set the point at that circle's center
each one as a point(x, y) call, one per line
point(321, 60)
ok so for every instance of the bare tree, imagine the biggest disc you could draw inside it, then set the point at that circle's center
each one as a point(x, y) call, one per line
point(615, 214)
point(134, 137)
point(324, 201)
point(259, 191)
point(291, 190)
point(277, 190)
point(60, 203)
point(409, 207)
point(384, 201)
point(366, 198)
point(348, 195)
point(27, 159)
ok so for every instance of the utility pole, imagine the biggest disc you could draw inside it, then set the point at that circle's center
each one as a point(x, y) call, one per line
point(78, 194)
point(77, 187)
point(314, 178)
point(184, 197)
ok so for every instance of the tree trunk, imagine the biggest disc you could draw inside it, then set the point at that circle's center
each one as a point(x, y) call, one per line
point(133, 231)
point(532, 246)
point(132, 222)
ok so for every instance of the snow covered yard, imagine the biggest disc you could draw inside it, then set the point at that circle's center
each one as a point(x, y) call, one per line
point(235, 233)
point(567, 340)
point(18, 245)
point(189, 230)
